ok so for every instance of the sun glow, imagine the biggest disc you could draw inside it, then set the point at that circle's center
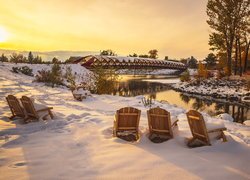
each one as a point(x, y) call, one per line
point(3, 35)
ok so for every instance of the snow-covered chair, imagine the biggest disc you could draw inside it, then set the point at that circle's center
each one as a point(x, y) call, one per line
point(15, 107)
point(127, 120)
point(160, 122)
point(201, 130)
point(35, 111)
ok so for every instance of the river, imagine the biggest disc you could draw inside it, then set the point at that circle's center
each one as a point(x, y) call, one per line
point(158, 88)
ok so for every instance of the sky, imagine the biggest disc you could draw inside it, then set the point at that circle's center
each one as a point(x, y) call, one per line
point(176, 28)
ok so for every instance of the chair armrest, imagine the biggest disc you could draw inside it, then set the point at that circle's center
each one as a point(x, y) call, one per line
point(216, 130)
point(174, 123)
point(44, 109)
point(115, 120)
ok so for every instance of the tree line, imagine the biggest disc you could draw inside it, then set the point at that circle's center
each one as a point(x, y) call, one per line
point(153, 54)
point(31, 59)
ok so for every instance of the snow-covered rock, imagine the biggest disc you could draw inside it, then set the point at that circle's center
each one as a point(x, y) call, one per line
point(247, 122)
point(232, 90)
point(226, 116)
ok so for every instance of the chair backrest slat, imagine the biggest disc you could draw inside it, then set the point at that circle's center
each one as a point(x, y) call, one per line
point(15, 106)
point(128, 117)
point(29, 107)
point(197, 126)
point(159, 121)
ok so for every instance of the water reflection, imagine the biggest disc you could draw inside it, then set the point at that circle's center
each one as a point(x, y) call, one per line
point(239, 112)
point(136, 85)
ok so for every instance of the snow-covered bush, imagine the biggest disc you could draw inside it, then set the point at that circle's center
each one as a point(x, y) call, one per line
point(24, 70)
point(51, 77)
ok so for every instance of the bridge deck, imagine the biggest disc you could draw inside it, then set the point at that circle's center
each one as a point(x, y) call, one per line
point(128, 62)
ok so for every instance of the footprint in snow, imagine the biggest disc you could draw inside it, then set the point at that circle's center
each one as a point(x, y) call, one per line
point(18, 164)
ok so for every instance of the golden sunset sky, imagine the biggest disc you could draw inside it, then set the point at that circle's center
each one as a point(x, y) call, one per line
point(176, 28)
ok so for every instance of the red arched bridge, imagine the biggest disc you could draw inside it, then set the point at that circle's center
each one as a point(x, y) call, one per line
point(119, 62)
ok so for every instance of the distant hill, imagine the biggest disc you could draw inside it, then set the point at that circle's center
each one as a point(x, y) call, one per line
point(48, 55)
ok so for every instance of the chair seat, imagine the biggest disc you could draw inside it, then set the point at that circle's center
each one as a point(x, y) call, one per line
point(212, 124)
point(39, 106)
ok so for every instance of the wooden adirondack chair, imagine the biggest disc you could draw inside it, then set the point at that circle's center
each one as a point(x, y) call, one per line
point(159, 122)
point(35, 111)
point(127, 119)
point(199, 129)
point(15, 107)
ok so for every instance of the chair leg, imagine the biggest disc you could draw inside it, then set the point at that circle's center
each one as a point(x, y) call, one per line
point(12, 117)
point(137, 135)
point(25, 120)
point(223, 136)
point(114, 129)
point(114, 133)
point(190, 141)
point(51, 114)
point(150, 135)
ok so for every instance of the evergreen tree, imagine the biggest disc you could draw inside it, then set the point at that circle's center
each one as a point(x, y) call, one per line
point(30, 57)
point(211, 60)
point(55, 60)
point(192, 62)
point(37, 60)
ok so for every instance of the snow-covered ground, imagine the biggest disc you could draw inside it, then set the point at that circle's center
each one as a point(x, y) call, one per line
point(82, 74)
point(78, 143)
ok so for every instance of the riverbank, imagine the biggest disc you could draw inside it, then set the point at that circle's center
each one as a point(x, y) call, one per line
point(231, 90)
point(79, 144)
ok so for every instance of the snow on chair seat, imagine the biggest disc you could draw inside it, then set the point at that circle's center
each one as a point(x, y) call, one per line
point(201, 129)
point(35, 111)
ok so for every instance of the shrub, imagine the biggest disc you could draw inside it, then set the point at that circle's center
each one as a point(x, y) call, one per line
point(147, 101)
point(15, 69)
point(202, 71)
point(43, 76)
point(185, 76)
point(24, 70)
point(27, 71)
point(105, 80)
point(70, 77)
point(221, 74)
point(50, 77)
